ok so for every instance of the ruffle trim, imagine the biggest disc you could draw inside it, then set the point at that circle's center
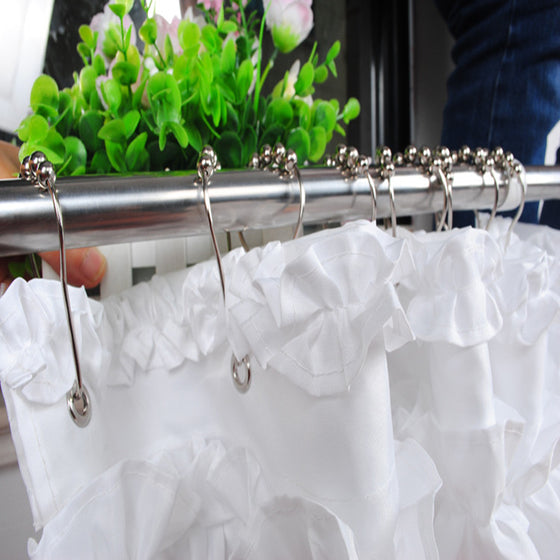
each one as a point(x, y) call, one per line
point(207, 500)
point(282, 302)
point(464, 287)
point(286, 304)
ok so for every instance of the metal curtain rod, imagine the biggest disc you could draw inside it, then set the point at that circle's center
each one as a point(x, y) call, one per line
point(103, 210)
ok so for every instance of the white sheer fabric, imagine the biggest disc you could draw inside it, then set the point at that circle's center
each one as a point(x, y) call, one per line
point(405, 403)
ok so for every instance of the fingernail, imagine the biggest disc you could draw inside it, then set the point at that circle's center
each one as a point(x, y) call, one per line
point(93, 266)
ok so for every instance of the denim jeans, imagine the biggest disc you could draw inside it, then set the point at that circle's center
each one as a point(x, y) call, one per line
point(505, 88)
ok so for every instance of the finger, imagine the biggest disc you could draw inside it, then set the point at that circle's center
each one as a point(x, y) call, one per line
point(84, 267)
point(9, 162)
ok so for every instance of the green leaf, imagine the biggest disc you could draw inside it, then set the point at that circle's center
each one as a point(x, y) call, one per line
point(299, 141)
point(227, 59)
point(52, 146)
point(229, 150)
point(272, 135)
point(178, 132)
point(125, 73)
point(210, 38)
point(84, 51)
point(323, 114)
point(228, 27)
point(220, 18)
point(215, 105)
point(168, 48)
point(115, 153)
point(148, 31)
point(118, 9)
point(111, 41)
point(195, 139)
point(88, 36)
point(305, 79)
point(139, 93)
point(99, 64)
point(188, 34)
point(317, 143)
point(232, 117)
point(333, 52)
point(136, 156)
point(88, 75)
point(100, 163)
point(244, 79)
point(279, 112)
point(112, 94)
point(321, 74)
point(249, 142)
point(44, 96)
point(33, 128)
point(114, 132)
point(351, 110)
point(303, 111)
point(89, 126)
point(65, 120)
point(130, 121)
point(127, 38)
point(165, 98)
point(121, 7)
point(243, 47)
point(75, 156)
point(335, 104)
point(332, 67)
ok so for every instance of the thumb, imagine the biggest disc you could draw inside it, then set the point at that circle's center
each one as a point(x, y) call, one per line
point(84, 267)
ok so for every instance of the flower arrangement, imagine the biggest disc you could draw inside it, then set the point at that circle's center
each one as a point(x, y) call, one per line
point(153, 103)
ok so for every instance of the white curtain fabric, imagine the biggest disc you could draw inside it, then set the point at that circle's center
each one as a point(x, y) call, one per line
point(405, 403)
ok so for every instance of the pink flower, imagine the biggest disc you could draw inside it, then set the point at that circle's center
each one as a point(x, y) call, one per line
point(165, 28)
point(289, 21)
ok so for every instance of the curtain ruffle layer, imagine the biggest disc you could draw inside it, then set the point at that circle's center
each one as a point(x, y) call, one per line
point(405, 403)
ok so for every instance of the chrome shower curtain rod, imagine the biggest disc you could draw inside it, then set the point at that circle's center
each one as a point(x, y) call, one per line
point(103, 210)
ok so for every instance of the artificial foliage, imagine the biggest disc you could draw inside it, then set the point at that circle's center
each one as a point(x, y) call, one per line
point(151, 100)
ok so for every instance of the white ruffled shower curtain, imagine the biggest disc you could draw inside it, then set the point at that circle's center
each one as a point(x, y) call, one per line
point(405, 403)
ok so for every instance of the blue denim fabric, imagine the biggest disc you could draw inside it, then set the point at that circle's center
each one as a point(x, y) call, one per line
point(505, 88)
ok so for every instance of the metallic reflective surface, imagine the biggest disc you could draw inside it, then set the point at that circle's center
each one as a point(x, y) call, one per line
point(102, 210)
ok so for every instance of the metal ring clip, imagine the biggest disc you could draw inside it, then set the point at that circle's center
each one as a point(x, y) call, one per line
point(207, 164)
point(387, 169)
point(38, 170)
point(284, 162)
point(518, 168)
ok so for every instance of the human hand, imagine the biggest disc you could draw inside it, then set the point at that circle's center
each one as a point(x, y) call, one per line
point(85, 267)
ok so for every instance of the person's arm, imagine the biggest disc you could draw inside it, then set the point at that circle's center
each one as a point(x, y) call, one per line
point(84, 266)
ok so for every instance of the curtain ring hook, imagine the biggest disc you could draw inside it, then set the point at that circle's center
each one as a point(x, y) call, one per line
point(492, 171)
point(373, 192)
point(207, 165)
point(38, 170)
point(438, 173)
point(284, 162)
point(518, 168)
point(393, 206)
point(384, 159)
point(446, 220)
point(486, 162)
point(302, 195)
